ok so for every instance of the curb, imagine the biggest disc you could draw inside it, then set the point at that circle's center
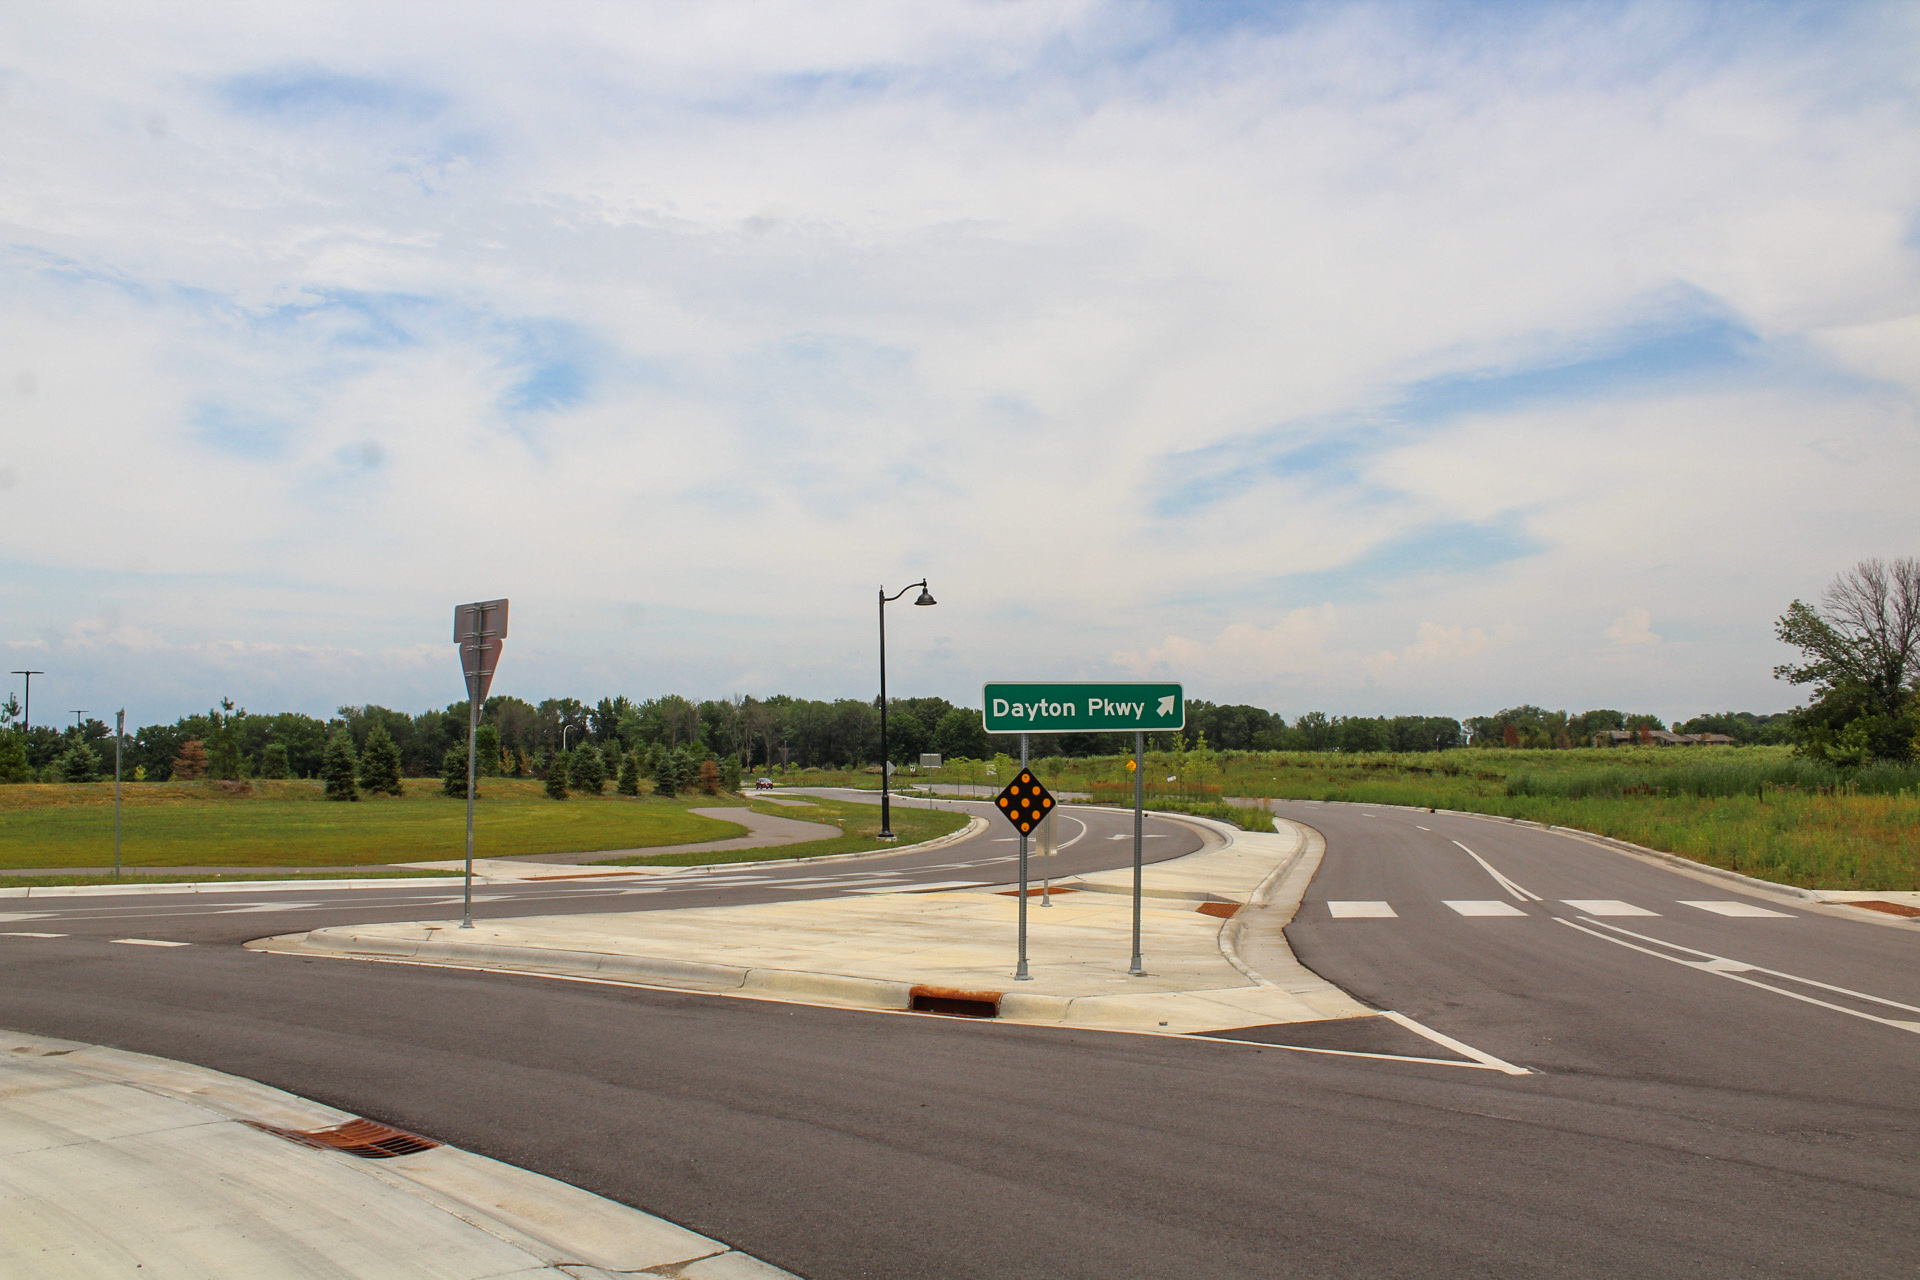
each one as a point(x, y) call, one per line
point(571, 1230)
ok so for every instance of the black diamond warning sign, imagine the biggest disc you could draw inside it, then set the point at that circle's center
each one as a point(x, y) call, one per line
point(1025, 802)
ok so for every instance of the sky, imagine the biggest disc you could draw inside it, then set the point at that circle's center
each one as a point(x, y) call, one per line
point(1363, 358)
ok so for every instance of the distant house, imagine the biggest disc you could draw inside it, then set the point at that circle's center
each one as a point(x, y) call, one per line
point(1660, 738)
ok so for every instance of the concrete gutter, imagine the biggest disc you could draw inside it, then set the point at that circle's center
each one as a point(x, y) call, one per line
point(120, 1161)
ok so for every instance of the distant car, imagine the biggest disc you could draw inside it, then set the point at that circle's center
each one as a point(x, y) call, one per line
point(763, 784)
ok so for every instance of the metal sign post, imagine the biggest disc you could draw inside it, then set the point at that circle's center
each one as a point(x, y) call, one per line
point(479, 630)
point(1081, 707)
point(119, 735)
point(1137, 969)
point(1021, 973)
point(1026, 804)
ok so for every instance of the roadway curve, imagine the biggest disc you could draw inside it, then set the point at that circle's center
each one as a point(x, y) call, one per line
point(1731, 1139)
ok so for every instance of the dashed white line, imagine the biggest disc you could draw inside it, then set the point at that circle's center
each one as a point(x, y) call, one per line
point(1483, 907)
point(18, 933)
point(1361, 911)
point(149, 942)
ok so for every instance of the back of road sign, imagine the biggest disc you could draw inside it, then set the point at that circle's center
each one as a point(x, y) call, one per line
point(1083, 708)
point(478, 629)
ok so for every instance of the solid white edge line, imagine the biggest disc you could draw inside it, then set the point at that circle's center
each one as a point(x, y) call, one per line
point(1480, 1061)
point(1505, 883)
point(1447, 1041)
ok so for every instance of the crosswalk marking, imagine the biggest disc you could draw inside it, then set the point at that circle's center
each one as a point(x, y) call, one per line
point(1607, 907)
point(1361, 911)
point(1737, 909)
point(21, 933)
point(149, 942)
point(1483, 907)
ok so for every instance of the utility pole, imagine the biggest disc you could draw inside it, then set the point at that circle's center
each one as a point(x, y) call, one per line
point(119, 734)
point(26, 714)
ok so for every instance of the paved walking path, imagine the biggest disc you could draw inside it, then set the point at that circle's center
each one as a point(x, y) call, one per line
point(765, 831)
point(878, 950)
point(119, 1163)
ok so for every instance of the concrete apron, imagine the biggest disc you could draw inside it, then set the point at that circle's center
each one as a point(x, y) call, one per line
point(944, 952)
point(118, 1161)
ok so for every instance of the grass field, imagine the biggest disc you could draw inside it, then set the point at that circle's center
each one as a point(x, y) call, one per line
point(859, 826)
point(1757, 810)
point(290, 824)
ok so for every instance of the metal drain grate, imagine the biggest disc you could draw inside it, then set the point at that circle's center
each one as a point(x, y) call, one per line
point(368, 1139)
point(956, 1004)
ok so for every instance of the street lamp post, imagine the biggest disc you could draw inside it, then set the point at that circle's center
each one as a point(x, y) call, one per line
point(565, 729)
point(26, 713)
point(926, 597)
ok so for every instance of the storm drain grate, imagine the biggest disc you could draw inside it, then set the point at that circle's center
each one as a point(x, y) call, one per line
point(368, 1139)
point(957, 1004)
point(1891, 908)
point(1224, 910)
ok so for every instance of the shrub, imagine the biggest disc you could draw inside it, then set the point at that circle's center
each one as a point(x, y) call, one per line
point(380, 763)
point(667, 775)
point(338, 766)
point(557, 781)
point(629, 775)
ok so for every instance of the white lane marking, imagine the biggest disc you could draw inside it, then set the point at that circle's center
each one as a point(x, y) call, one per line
point(919, 888)
point(1484, 907)
point(1361, 911)
point(17, 933)
point(1422, 828)
point(268, 906)
point(1735, 971)
point(1369, 815)
point(1504, 883)
point(149, 942)
point(12, 916)
point(1738, 909)
point(1448, 1041)
point(1126, 835)
point(1607, 907)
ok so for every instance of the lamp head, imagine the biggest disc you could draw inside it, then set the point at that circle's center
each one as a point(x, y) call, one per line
point(926, 597)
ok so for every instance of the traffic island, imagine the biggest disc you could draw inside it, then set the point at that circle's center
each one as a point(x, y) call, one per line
point(906, 951)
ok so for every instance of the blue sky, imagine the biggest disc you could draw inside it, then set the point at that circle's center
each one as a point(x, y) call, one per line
point(1360, 358)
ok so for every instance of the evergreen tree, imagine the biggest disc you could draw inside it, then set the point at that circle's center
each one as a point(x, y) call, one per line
point(587, 771)
point(190, 765)
point(273, 761)
point(487, 751)
point(666, 774)
point(730, 774)
point(453, 772)
point(610, 758)
point(79, 764)
point(557, 779)
point(380, 763)
point(629, 775)
point(338, 766)
point(13, 757)
point(709, 778)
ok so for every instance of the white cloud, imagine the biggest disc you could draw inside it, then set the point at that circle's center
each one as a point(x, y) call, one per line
point(1632, 629)
point(320, 318)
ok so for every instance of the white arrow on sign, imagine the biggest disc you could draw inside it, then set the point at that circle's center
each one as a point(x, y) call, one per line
point(1166, 705)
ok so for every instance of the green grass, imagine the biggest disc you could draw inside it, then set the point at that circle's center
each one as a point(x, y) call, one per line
point(1757, 810)
point(291, 824)
point(859, 825)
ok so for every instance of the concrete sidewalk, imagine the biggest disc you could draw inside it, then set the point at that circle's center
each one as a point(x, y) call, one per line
point(902, 950)
point(118, 1162)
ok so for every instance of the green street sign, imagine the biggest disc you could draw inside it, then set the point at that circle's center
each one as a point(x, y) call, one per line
point(1083, 708)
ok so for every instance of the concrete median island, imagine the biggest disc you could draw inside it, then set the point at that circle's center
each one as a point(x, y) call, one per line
point(943, 951)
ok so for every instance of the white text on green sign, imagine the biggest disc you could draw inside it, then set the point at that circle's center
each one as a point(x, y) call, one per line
point(1082, 708)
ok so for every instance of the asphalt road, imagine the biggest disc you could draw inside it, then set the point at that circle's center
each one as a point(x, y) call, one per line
point(1702, 1128)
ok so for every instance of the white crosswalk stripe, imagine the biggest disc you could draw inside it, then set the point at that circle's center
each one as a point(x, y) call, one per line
point(1738, 909)
point(1607, 907)
point(1361, 911)
point(1483, 907)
